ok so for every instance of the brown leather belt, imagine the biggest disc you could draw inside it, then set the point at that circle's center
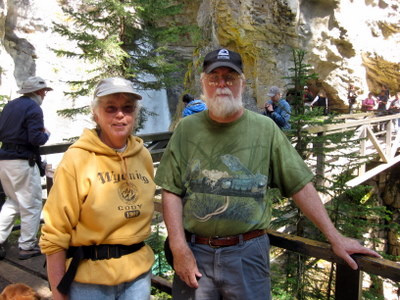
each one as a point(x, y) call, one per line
point(225, 241)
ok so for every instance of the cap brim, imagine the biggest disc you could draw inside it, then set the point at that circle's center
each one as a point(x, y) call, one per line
point(218, 64)
point(118, 90)
point(26, 91)
point(270, 95)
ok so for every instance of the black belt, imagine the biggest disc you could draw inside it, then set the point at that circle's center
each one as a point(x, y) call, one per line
point(225, 241)
point(93, 252)
point(16, 147)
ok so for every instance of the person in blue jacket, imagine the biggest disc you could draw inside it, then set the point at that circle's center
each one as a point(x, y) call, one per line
point(22, 132)
point(192, 106)
point(278, 109)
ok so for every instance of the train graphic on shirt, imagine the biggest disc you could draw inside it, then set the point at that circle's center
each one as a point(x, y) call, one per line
point(239, 182)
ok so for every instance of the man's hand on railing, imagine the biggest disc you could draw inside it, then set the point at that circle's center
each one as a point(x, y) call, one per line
point(307, 199)
point(344, 247)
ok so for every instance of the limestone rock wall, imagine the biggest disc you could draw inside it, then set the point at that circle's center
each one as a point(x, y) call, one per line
point(348, 41)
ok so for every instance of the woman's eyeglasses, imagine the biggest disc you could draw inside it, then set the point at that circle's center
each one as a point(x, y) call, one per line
point(127, 109)
point(229, 79)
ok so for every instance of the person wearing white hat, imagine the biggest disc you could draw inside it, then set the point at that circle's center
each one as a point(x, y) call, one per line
point(99, 210)
point(22, 131)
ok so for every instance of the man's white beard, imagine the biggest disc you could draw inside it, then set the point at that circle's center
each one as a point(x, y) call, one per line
point(223, 106)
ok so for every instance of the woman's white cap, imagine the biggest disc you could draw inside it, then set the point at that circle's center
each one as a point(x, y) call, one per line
point(114, 85)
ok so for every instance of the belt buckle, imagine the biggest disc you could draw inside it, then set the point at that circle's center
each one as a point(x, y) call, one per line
point(210, 239)
point(95, 253)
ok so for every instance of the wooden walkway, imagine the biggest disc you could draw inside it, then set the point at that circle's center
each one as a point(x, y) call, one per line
point(378, 140)
point(31, 271)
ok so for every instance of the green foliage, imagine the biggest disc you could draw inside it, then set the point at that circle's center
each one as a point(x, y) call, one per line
point(122, 38)
point(161, 266)
point(158, 295)
point(156, 242)
point(3, 101)
point(301, 74)
point(354, 211)
point(126, 38)
point(70, 113)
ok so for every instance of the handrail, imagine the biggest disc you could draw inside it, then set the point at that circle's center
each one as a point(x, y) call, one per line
point(377, 266)
point(351, 123)
point(346, 278)
point(384, 142)
point(155, 142)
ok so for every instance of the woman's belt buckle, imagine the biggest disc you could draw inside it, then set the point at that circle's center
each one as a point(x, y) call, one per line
point(210, 242)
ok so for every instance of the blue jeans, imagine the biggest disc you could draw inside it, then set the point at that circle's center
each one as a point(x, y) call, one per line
point(229, 273)
point(138, 289)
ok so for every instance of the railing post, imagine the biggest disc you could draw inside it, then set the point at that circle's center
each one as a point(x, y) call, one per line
point(363, 148)
point(348, 283)
point(318, 148)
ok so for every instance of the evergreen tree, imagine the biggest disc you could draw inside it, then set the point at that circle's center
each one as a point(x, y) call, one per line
point(305, 277)
point(122, 38)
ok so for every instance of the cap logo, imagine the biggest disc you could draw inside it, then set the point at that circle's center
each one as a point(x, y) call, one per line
point(223, 54)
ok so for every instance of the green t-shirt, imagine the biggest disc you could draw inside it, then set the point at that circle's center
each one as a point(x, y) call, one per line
point(223, 172)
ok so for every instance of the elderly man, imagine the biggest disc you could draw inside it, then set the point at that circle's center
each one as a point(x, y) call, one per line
point(215, 176)
point(278, 109)
point(22, 131)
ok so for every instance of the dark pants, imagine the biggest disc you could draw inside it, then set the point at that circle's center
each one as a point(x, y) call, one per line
point(229, 273)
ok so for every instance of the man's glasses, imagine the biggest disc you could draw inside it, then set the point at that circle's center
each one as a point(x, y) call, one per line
point(126, 109)
point(229, 79)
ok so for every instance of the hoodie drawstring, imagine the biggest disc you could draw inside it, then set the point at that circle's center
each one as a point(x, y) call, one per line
point(124, 167)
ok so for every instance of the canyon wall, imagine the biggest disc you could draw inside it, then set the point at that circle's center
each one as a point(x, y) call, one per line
point(348, 41)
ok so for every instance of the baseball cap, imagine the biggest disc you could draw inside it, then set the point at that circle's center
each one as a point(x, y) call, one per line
point(33, 84)
point(114, 85)
point(223, 58)
point(273, 91)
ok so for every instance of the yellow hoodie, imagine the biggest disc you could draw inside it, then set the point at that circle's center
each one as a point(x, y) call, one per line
point(101, 196)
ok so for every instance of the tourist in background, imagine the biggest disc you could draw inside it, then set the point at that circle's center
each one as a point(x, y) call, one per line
point(99, 210)
point(394, 108)
point(386, 90)
point(351, 97)
point(321, 101)
point(369, 103)
point(22, 132)
point(192, 106)
point(308, 96)
point(278, 109)
point(382, 99)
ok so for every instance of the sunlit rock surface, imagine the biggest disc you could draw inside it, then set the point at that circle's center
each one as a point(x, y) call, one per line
point(347, 41)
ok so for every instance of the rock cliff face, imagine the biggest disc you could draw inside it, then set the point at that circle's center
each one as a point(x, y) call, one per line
point(347, 41)
point(26, 40)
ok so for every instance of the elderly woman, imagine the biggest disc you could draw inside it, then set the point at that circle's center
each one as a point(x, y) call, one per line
point(100, 207)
